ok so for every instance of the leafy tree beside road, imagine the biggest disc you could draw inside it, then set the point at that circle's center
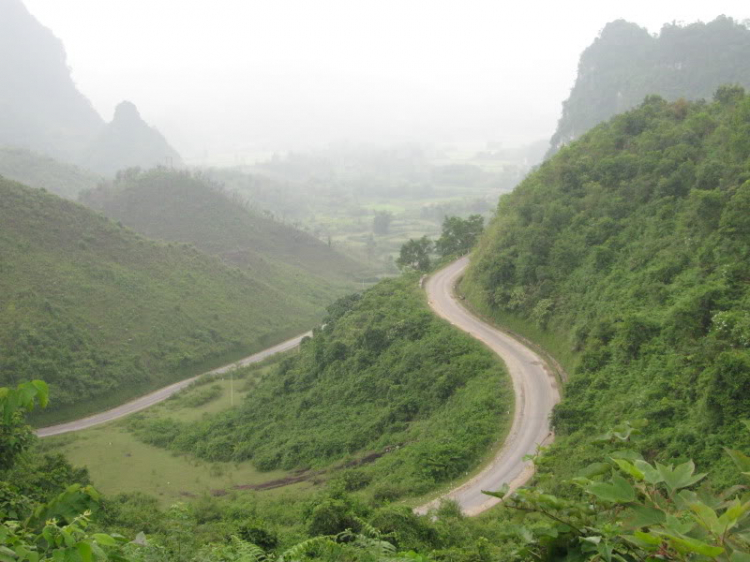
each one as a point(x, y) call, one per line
point(415, 254)
point(459, 235)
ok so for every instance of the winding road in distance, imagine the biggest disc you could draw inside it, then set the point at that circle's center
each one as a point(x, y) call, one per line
point(163, 393)
point(536, 392)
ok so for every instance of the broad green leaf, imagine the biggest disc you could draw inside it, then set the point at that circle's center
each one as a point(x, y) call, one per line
point(740, 459)
point(651, 475)
point(686, 544)
point(103, 539)
point(738, 556)
point(680, 477)
point(733, 514)
point(618, 490)
point(628, 468)
point(678, 526)
point(595, 469)
point(84, 550)
point(42, 392)
point(644, 516)
point(707, 518)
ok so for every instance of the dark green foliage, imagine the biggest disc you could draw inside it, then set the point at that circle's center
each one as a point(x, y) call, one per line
point(98, 311)
point(382, 376)
point(626, 63)
point(459, 235)
point(631, 247)
point(415, 254)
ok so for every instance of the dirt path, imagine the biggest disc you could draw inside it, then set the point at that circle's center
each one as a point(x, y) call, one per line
point(535, 387)
point(162, 394)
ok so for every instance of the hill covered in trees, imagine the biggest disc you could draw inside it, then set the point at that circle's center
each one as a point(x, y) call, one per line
point(102, 313)
point(42, 110)
point(629, 251)
point(626, 63)
point(184, 207)
point(383, 375)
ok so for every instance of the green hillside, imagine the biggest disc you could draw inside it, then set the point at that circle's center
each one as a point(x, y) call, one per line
point(385, 376)
point(628, 253)
point(184, 207)
point(626, 63)
point(37, 170)
point(103, 314)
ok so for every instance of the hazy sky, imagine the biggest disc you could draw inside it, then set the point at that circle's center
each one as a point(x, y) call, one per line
point(227, 76)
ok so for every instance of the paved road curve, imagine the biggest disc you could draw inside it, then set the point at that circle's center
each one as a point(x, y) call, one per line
point(163, 393)
point(536, 392)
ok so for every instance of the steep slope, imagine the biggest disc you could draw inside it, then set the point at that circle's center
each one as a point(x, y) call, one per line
point(630, 247)
point(179, 206)
point(40, 107)
point(37, 170)
point(384, 375)
point(626, 63)
point(103, 314)
point(129, 141)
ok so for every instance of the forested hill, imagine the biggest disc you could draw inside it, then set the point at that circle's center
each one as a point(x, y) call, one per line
point(101, 313)
point(185, 207)
point(631, 248)
point(626, 63)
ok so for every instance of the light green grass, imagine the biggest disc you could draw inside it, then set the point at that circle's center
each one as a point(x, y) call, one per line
point(118, 462)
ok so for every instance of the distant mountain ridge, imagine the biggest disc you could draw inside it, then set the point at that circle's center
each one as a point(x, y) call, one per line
point(42, 110)
point(626, 63)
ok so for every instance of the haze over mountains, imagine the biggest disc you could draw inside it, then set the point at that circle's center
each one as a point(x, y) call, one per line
point(626, 63)
point(42, 110)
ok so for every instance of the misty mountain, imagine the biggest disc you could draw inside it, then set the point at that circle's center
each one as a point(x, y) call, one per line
point(42, 110)
point(626, 63)
point(128, 141)
point(40, 106)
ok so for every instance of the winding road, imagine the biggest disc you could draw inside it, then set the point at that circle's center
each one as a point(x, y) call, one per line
point(535, 387)
point(536, 392)
point(163, 393)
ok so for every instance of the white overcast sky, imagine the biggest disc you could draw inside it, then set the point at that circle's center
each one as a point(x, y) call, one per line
point(240, 75)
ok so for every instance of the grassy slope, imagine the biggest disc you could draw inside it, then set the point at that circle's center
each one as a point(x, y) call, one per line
point(177, 206)
point(629, 249)
point(384, 372)
point(37, 170)
point(103, 314)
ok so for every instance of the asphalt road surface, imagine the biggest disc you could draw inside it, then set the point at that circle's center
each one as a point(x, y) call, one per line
point(163, 393)
point(536, 392)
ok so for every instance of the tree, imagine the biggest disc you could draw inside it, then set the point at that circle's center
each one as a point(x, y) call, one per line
point(459, 235)
point(415, 254)
point(382, 222)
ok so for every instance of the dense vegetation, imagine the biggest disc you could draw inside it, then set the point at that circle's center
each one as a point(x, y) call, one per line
point(382, 376)
point(37, 170)
point(626, 63)
point(630, 247)
point(98, 311)
point(184, 207)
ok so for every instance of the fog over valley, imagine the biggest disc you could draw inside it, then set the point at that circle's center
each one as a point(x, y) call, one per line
point(238, 78)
